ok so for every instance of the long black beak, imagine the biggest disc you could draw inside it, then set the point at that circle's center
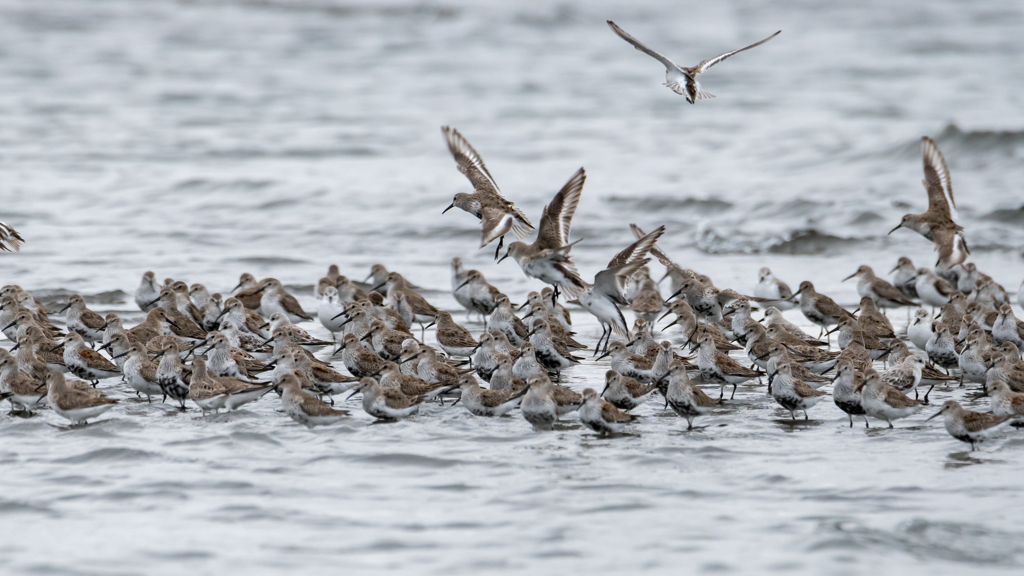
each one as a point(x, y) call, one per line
point(763, 356)
point(461, 285)
point(15, 323)
point(898, 226)
point(894, 268)
point(367, 336)
point(503, 257)
point(119, 356)
point(148, 304)
point(354, 392)
point(158, 354)
point(374, 289)
point(450, 206)
point(524, 317)
point(429, 325)
point(677, 293)
point(850, 276)
point(15, 347)
point(602, 355)
point(237, 286)
point(663, 316)
point(171, 322)
point(523, 305)
point(936, 415)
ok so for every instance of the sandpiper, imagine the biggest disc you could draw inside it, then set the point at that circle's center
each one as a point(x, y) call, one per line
point(602, 417)
point(1007, 328)
point(10, 240)
point(941, 349)
point(227, 360)
point(74, 403)
point(1005, 402)
point(391, 377)
point(551, 352)
point(504, 378)
point(386, 403)
point(849, 330)
point(433, 369)
point(772, 289)
point(603, 298)
point(818, 308)
point(684, 398)
point(414, 308)
point(497, 215)
point(625, 392)
point(629, 365)
point(358, 359)
point(778, 355)
point(85, 362)
point(931, 289)
point(884, 402)
point(906, 376)
point(738, 314)
point(792, 393)
point(773, 317)
point(172, 375)
point(681, 80)
point(720, 368)
point(206, 392)
point(387, 343)
point(147, 292)
point(184, 303)
point(647, 303)
point(481, 402)
point(1006, 367)
point(476, 295)
point(274, 298)
point(504, 319)
point(969, 426)
point(884, 294)
point(919, 331)
point(182, 326)
point(937, 223)
point(305, 408)
point(976, 356)
point(844, 390)
point(905, 279)
point(83, 321)
point(247, 292)
point(454, 339)
point(702, 297)
point(156, 324)
point(538, 405)
point(26, 392)
point(548, 258)
point(140, 372)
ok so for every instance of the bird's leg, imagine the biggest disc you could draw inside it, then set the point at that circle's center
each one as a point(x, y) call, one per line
point(554, 296)
point(890, 424)
point(851, 420)
point(866, 424)
point(497, 251)
point(805, 415)
point(597, 349)
point(733, 395)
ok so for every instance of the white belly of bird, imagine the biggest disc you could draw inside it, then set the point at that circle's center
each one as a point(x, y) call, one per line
point(77, 415)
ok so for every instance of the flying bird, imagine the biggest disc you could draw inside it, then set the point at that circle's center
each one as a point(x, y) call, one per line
point(497, 215)
point(683, 81)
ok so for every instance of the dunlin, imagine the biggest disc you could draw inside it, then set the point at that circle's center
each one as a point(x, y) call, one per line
point(625, 392)
point(1007, 328)
point(504, 319)
point(330, 309)
point(184, 304)
point(1006, 367)
point(156, 324)
point(274, 298)
point(386, 403)
point(25, 392)
point(358, 359)
point(548, 258)
point(930, 374)
point(919, 331)
point(182, 326)
point(481, 402)
point(685, 399)
point(387, 343)
point(243, 317)
point(629, 365)
point(976, 356)
point(140, 372)
point(29, 361)
point(778, 354)
point(681, 80)
point(172, 375)
point(969, 426)
point(227, 360)
point(720, 368)
point(818, 308)
point(82, 320)
point(905, 279)
point(604, 297)
point(906, 376)
point(884, 402)
point(391, 377)
point(1005, 402)
point(455, 340)
point(941, 349)
point(647, 303)
point(883, 293)
point(872, 321)
point(475, 294)
point(248, 292)
point(497, 215)
point(773, 317)
point(414, 308)
point(849, 330)
point(771, 288)
point(206, 392)
point(305, 408)
point(299, 334)
point(74, 403)
point(738, 314)
point(792, 393)
point(552, 353)
point(378, 275)
point(10, 240)
point(432, 369)
point(844, 390)
point(85, 362)
point(602, 417)
point(931, 289)
point(147, 292)
point(937, 223)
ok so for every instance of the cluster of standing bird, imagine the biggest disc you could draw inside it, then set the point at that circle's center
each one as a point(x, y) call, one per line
point(223, 353)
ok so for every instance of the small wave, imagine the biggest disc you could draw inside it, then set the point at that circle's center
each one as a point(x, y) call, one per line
point(1013, 216)
point(804, 242)
point(409, 460)
point(269, 260)
point(655, 203)
point(108, 455)
point(953, 141)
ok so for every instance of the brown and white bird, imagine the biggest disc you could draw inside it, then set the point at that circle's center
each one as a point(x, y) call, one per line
point(601, 416)
point(969, 426)
point(497, 215)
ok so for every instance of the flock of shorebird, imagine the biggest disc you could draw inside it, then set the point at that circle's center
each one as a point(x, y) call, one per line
point(226, 352)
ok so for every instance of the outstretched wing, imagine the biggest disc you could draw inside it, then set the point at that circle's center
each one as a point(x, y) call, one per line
point(495, 223)
point(703, 66)
point(469, 162)
point(611, 282)
point(556, 220)
point(670, 65)
point(10, 240)
point(936, 178)
point(665, 260)
point(638, 249)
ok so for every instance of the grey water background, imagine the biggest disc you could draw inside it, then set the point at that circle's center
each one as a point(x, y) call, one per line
point(205, 139)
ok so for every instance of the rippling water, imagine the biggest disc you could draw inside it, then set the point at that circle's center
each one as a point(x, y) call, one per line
point(202, 140)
